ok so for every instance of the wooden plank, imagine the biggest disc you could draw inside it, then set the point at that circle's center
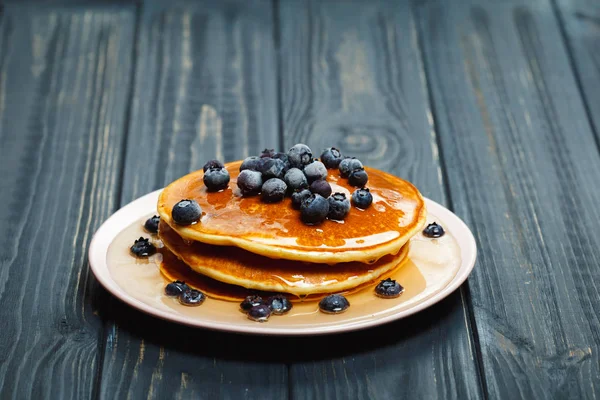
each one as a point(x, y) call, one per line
point(205, 88)
point(352, 77)
point(523, 169)
point(580, 20)
point(64, 83)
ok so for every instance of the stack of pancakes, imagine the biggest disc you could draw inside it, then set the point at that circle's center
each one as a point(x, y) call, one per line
point(243, 243)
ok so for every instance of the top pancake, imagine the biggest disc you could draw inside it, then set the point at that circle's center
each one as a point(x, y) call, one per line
point(276, 230)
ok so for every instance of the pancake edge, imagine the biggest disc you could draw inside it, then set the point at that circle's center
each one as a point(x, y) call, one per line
point(337, 287)
point(317, 256)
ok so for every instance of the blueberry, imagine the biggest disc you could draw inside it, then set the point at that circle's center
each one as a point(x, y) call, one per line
point(212, 164)
point(348, 165)
point(250, 182)
point(267, 153)
point(260, 313)
point(321, 187)
point(216, 179)
point(151, 224)
point(273, 190)
point(271, 168)
point(331, 157)
point(299, 156)
point(176, 288)
point(283, 157)
point(299, 196)
point(334, 304)
point(295, 179)
point(358, 177)
point(339, 206)
point(388, 289)
point(279, 304)
point(434, 230)
point(315, 171)
point(143, 248)
point(250, 163)
point(186, 212)
point(251, 301)
point(191, 297)
point(314, 209)
point(362, 198)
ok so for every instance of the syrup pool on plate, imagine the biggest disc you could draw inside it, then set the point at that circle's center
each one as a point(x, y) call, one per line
point(430, 266)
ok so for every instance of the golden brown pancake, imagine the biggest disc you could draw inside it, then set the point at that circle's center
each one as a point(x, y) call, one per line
point(276, 231)
point(236, 266)
point(174, 269)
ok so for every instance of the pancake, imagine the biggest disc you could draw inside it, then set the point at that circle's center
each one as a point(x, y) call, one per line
point(236, 266)
point(173, 269)
point(275, 230)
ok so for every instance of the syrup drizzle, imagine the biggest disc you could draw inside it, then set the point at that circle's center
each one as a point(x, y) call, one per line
point(430, 266)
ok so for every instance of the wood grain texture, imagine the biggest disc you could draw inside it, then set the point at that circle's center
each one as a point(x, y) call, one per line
point(581, 23)
point(64, 81)
point(352, 77)
point(523, 169)
point(205, 88)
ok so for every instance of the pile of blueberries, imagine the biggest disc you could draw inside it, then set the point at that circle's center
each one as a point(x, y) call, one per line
point(296, 173)
point(274, 175)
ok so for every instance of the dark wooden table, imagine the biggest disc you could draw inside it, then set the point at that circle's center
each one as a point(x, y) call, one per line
point(490, 107)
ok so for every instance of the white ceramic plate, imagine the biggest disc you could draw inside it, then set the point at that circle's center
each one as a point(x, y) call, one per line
point(222, 315)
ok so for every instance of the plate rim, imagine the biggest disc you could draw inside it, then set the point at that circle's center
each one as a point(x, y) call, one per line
point(123, 217)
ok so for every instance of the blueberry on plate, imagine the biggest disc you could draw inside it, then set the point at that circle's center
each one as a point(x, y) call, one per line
point(295, 179)
point(267, 153)
point(362, 198)
point(299, 196)
point(151, 224)
point(250, 163)
point(314, 209)
point(250, 182)
point(348, 165)
point(212, 164)
point(143, 248)
point(260, 313)
point(321, 187)
point(434, 230)
point(388, 289)
point(339, 206)
point(251, 301)
point(186, 212)
point(279, 304)
point(273, 190)
point(216, 178)
point(334, 304)
point(299, 156)
point(315, 170)
point(271, 168)
point(358, 177)
point(191, 297)
point(176, 288)
point(331, 157)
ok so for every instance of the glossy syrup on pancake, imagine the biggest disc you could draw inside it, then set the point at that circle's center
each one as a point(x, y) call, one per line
point(275, 230)
point(239, 267)
point(173, 269)
point(430, 266)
